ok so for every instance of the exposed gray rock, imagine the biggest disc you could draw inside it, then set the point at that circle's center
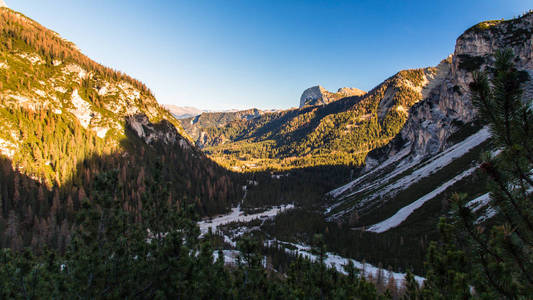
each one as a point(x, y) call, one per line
point(447, 102)
point(348, 92)
point(317, 95)
point(162, 132)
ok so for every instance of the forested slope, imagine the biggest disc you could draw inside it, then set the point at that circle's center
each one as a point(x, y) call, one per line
point(65, 118)
point(339, 133)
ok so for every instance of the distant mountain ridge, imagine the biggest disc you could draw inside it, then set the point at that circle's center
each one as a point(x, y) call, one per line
point(194, 125)
point(183, 112)
point(338, 133)
point(332, 128)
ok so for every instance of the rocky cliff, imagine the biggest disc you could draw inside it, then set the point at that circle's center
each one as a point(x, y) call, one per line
point(437, 151)
point(317, 95)
point(447, 103)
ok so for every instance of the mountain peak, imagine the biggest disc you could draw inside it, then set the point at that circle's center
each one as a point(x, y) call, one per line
point(318, 95)
point(348, 92)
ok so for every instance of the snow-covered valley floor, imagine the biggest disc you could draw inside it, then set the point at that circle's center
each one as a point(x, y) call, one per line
point(237, 215)
point(332, 260)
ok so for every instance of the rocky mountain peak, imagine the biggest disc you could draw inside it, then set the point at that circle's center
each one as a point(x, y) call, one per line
point(446, 100)
point(313, 96)
point(317, 95)
point(348, 92)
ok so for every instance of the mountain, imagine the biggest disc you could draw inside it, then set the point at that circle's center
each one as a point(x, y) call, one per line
point(65, 119)
point(339, 133)
point(183, 112)
point(342, 132)
point(437, 152)
point(374, 173)
point(195, 126)
point(318, 95)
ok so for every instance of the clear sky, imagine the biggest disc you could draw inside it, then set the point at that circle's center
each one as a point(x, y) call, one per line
point(240, 54)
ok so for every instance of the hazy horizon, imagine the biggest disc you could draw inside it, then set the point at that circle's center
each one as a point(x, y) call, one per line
point(218, 56)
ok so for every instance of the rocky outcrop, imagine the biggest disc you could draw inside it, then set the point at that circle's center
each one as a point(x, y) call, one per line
point(163, 132)
point(447, 102)
point(349, 92)
point(317, 95)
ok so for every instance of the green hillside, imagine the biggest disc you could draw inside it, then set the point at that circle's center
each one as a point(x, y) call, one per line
point(64, 119)
point(339, 133)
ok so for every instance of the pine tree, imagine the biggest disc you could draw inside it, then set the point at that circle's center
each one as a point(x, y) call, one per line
point(500, 252)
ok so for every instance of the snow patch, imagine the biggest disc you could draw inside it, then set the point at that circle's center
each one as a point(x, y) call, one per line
point(406, 211)
point(33, 58)
point(338, 262)
point(279, 176)
point(20, 99)
point(183, 144)
point(479, 202)
point(72, 68)
point(60, 89)
point(40, 93)
point(489, 213)
point(101, 131)
point(103, 90)
point(385, 186)
point(237, 215)
point(340, 190)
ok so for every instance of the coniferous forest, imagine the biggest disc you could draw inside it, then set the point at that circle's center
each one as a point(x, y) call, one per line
point(105, 195)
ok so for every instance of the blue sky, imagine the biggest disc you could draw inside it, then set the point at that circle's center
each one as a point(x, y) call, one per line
point(250, 53)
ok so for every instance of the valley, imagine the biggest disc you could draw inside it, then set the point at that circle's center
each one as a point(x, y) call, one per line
point(420, 143)
point(354, 194)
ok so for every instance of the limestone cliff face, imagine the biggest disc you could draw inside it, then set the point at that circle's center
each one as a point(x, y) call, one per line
point(317, 95)
point(163, 132)
point(447, 102)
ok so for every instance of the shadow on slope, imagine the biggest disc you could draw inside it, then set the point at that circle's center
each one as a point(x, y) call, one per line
point(36, 214)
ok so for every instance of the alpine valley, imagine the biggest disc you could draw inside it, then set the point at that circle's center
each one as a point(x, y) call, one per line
point(107, 194)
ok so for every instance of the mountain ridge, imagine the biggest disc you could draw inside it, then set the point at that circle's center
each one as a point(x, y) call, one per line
point(442, 121)
point(296, 136)
point(65, 119)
